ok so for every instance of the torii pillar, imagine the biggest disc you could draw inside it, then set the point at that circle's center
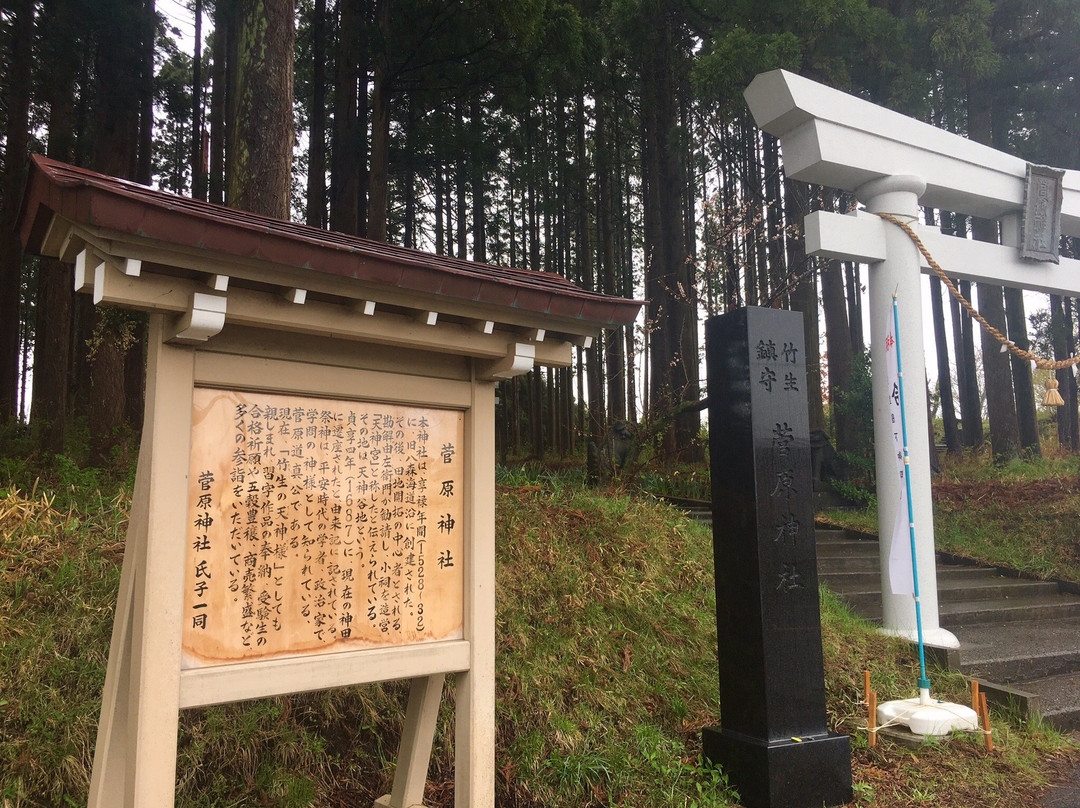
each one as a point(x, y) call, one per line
point(893, 164)
point(899, 274)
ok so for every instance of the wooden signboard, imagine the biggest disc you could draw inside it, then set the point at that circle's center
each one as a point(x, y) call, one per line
point(296, 526)
point(314, 505)
point(319, 525)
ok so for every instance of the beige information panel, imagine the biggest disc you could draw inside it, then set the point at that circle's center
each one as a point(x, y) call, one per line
point(320, 525)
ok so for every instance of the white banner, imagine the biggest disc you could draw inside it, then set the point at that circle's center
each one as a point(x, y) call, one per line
point(901, 577)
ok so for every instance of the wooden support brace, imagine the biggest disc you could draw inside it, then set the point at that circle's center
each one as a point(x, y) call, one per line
point(414, 756)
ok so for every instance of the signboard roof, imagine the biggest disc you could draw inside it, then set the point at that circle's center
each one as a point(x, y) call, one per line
point(121, 208)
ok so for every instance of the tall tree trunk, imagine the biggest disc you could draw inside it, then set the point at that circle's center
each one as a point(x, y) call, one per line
point(346, 150)
point(316, 179)
point(838, 342)
point(117, 136)
point(220, 97)
point(728, 216)
point(780, 272)
point(970, 399)
point(1000, 406)
point(461, 187)
point(673, 353)
point(198, 143)
point(1061, 335)
point(16, 97)
point(135, 346)
point(612, 338)
point(409, 185)
point(479, 209)
point(1026, 415)
point(804, 297)
point(536, 411)
point(148, 29)
point(440, 249)
point(379, 167)
point(261, 138)
point(941, 344)
point(854, 303)
point(1071, 394)
point(945, 391)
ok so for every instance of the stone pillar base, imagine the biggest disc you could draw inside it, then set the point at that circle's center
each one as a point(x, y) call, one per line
point(808, 773)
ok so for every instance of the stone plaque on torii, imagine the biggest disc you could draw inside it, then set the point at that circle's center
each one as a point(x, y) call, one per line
point(893, 164)
point(314, 501)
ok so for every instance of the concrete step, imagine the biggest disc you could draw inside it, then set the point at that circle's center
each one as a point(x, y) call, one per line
point(845, 548)
point(866, 580)
point(852, 563)
point(830, 534)
point(841, 582)
point(991, 587)
point(1037, 607)
point(1019, 651)
point(867, 599)
point(977, 612)
point(993, 616)
point(1058, 699)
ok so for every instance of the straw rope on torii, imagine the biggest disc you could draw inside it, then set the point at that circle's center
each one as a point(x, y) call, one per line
point(1053, 397)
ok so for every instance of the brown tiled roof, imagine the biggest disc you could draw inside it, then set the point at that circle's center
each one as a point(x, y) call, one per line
point(112, 204)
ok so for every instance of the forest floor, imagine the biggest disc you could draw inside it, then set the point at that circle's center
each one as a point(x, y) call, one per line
point(606, 673)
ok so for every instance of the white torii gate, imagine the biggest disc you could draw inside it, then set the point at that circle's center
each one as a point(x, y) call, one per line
point(894, 164)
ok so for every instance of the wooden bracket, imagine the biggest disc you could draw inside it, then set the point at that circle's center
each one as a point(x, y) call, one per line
point(519, 359)
point(204, 319)
point(88, 268)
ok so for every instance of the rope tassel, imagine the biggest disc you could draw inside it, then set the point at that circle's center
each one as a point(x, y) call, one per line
point(1053, 397)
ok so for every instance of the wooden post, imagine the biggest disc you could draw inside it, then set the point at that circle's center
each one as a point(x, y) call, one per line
point(474, 754)
point(136, 762)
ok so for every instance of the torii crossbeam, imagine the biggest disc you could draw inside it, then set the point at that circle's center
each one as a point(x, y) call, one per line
point(894, 164)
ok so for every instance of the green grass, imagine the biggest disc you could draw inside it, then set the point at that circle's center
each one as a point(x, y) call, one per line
point(1023, 515)
point(606, 673)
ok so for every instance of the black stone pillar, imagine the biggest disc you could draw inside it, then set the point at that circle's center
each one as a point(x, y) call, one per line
point(773, 741)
